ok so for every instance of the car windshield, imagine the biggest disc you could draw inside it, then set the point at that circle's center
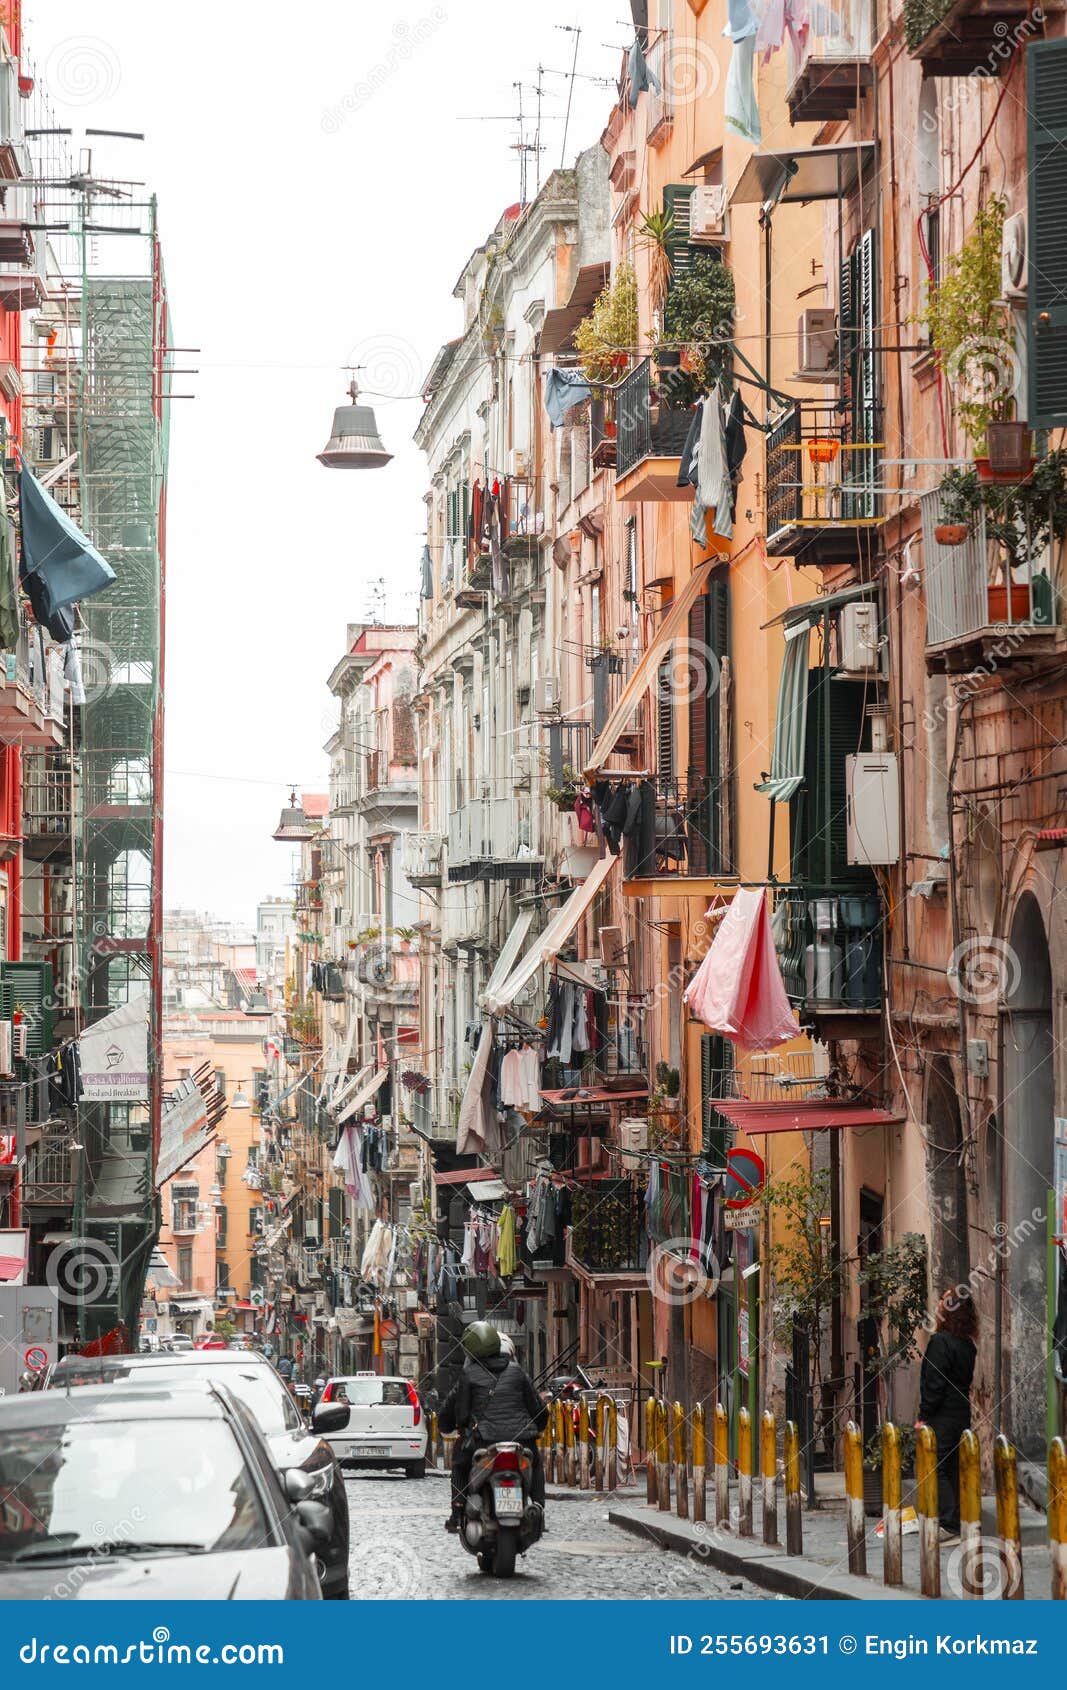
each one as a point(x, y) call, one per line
point(255, 1385)
point(112, 1486)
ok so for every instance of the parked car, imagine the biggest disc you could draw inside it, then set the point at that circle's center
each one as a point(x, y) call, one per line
point(161, 1492)
point(177, 1342)
point(385, 1425)
point(211, 1341)
point(253, 1381)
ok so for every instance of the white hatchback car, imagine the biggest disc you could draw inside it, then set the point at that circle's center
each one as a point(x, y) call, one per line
point(386, 1425)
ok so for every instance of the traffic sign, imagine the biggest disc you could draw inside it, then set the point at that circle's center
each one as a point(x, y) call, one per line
point(745, 1174)
point(36, 1358)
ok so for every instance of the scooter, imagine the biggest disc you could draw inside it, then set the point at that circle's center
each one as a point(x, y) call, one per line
point(499, 1520)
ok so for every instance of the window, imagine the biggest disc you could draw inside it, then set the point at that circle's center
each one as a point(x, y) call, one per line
point(185, 1266)
point(222, 1276)
point(710, 787)
point(184, 1200)
point(255, 1220)
point(253, 1155)
point(716, 1081)
point(222, 1221)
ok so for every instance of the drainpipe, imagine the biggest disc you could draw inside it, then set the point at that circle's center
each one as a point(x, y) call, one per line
point(954, 905)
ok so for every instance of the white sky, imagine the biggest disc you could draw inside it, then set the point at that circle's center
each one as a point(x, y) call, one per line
point(318, 197)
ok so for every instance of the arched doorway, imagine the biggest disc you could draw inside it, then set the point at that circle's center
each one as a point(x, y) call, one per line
point(950, 1253)
point(1028, 1174)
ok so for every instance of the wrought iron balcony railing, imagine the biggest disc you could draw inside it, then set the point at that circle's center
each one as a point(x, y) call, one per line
point(607, 1234)
point(823, 479)
point(975, 590)
point(830, 946)
point(645, 428)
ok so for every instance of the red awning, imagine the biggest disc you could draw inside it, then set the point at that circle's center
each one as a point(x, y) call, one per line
point(461, 1176)
point(566, 1098)
point(757, 1118)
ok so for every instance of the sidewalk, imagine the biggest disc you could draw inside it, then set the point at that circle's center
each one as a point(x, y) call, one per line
point(822, 1570)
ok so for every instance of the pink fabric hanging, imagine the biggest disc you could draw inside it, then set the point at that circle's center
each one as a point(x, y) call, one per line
point(738, 989)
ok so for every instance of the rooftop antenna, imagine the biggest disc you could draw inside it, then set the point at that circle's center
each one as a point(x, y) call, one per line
point(375, 611)
point(575, 30)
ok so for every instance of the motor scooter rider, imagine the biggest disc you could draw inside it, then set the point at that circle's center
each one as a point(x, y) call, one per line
point(492, 1401)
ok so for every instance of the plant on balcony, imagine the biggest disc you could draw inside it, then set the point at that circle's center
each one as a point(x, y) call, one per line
point(668, 1079)
point(1022, 518)
point(698, 323)
point(565, 796)
point(606, 338)
point(895, 1295)
point(920, 17)
point(972, 333)
point(657, 228)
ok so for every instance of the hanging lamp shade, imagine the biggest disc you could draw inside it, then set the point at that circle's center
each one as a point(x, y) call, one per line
point(354, 441)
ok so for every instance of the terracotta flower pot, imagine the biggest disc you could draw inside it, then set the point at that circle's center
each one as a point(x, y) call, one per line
point(997, 600)
point(1009, 447)
point(1006, 477)
point(951, 533)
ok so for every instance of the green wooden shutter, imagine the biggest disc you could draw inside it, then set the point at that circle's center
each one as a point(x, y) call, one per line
point(1046, 120)
point(33, 992)
point(337, 1212)
point(709, 643)
point(836, 729)
point(716, 1075)
point(677, 199)
point(665, 721)
point(864, 377)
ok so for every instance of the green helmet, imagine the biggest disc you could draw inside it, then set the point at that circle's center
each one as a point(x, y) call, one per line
point(481, 1340)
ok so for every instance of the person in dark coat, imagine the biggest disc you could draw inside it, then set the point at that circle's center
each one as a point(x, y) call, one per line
point(493, 1401)
point(945, 1395)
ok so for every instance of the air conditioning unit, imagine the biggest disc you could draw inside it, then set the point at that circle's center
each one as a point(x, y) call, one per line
point(633, 1135)
point(612, 947)
point(1013, 257)
point(546, 695)
point(10, 379)
point(860, 646)
point(707, 213)
point(816, 342)
point(873, 808)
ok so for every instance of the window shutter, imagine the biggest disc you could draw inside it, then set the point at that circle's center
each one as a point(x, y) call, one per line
point(32, 992)
point(665, 721)
point(709, 643)
point(1046, 119)
point(836, 725)
point(864, 377)
point(630, 593)
point(716, 1074)
point(677, 199)
point(337, 1212)
point(601, 694)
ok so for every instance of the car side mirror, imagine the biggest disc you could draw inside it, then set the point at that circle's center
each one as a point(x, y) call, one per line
point(331, 1416)
point(298, 1484)
point(316, 1520)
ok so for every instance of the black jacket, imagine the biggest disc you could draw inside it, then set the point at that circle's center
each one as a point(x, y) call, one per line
point(945, 1380)
point(497, 1399)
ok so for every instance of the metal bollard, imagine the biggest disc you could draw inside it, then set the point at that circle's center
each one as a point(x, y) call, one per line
point(700, 1470)
point(929, 1516)
point(681, 1464)
point(650, 1452)
point(569, 1476)
point(583, 1445)
point(744, 1473)
point(893, 1544)
point(434, 1435)
point(613, 1444)
point(1057, 1517)
point(769, 1476)
point(722, 1466)
point(663, 1460)
point(1011, 1549)
point(794, 1519)
point(598, 1451)
point(971, 1568)
point(855, 1523)
point(450, 1448)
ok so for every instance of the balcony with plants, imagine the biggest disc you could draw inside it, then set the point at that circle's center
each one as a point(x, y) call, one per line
point(607, 1237)
point(958, 37)
point(831, 68)
point(823, 476)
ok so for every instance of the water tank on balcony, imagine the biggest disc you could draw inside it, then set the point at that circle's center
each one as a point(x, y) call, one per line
point(824, 974)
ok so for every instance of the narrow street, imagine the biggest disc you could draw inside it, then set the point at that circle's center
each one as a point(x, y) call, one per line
point(400, 1550)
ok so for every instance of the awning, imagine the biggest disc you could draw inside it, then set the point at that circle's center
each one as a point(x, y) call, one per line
point(644, 675)
point(811, 610)
point(509, 955)
point(12, 1267)
point(370, 1089)
point(554, 937)
point(486, 1190)
point(463, 1176)
point(571, 1097)
point(560, 323)
point(808, 173)
point(758, 1118)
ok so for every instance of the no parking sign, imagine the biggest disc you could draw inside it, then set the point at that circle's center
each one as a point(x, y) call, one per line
point(36, 1358)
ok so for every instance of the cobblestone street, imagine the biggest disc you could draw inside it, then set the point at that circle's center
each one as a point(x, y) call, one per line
point(400, 1550)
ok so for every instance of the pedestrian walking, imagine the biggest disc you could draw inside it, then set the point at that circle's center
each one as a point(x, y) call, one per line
point(945, 1396)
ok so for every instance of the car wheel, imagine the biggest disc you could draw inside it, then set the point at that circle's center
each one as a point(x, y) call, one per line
point(415, 1470)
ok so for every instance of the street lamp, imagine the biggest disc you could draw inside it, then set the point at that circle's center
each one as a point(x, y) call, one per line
point(354, 441)
point(240, 1099)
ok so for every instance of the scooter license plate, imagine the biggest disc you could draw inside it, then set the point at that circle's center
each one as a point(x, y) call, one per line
point(507, 1500)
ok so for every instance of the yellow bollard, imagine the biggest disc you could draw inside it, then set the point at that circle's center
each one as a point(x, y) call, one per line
point(613, 1444)
point(854, 1520)
point(650, 1452)
point(681, 1464)
point(583, 1444)
point(769, 1476)
point(929, 1514)
point(744, 1473)
point(432, 1451)
point(560, 1441)
point(450, 1448)
point(700, 1470)
point(794, 1519)
point(568, 1444)
point(722, 1466)
point(663, 1460)
point(893, 1545)
point(971, 1568)
point(1011, 1549)
point(601, 1434)
point(1057, 1517)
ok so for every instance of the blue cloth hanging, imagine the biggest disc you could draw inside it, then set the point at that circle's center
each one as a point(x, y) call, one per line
point(64, 562)
point(563, 390)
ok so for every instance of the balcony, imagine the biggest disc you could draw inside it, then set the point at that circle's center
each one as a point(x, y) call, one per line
point(956, 37)
point(649, 440)
point(659, 108)
point(24, 282)
point(971, 617)
point(421, 859)
point(32, 699)
point(485, 842)
point(46, 814)
point(16, 242)
point(690, 856)
point(823, 476)
point(830, 947)
point(49, 1173)
point(827, 79)
point(607, 1237)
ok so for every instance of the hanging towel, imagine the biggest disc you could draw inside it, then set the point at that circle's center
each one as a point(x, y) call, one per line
point(738, 988)
point(426, 591)
point(642, 76)
point(474, 1132)
point(506, 1253)
point(741, 110)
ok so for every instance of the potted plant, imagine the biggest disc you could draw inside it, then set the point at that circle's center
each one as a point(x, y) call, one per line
point(656, 230)
point(960, 498)
point(606, 338)
point(698, 319)
point(565, 796)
